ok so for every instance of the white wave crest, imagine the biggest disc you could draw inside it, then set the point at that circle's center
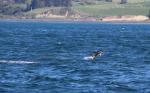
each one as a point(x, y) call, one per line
point(16, 62)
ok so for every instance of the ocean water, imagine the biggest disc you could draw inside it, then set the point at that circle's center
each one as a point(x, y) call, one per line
point(48, 57)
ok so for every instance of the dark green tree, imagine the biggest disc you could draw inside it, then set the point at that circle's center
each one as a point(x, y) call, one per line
point(49, 3)
point(123, 1)
point(108, 0)
point(148, 14)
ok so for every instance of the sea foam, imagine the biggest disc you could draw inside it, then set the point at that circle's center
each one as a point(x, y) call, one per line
point(16, 62)
point(88, 58)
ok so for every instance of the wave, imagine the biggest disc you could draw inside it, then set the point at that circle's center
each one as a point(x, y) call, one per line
point(16, 62)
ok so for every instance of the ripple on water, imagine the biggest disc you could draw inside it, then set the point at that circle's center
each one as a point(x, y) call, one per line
point(59, 48)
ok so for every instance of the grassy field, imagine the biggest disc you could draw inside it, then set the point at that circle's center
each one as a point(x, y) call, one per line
point(134, 7)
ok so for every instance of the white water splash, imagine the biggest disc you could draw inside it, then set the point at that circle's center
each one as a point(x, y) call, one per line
point(16, 62)
point(91, 57)
point(88, 58)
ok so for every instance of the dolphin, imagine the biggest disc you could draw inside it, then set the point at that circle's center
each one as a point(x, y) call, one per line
point(94, 55)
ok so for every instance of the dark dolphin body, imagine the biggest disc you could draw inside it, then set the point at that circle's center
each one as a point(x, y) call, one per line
point(97, 53)
point(94, 55)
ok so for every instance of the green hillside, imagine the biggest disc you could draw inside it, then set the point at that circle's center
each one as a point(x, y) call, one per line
point(133, 7)
point(87, 8)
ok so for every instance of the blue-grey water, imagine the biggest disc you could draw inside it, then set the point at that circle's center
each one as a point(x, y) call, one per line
point(48, 57)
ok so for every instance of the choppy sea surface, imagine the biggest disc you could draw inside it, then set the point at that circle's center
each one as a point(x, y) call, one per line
point(48, 57)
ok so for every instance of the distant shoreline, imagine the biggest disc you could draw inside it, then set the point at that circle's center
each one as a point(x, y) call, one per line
point(71, 20)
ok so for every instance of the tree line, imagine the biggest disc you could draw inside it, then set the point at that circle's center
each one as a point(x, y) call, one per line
point(94, 1)
point(10, 7)
point(50, 3)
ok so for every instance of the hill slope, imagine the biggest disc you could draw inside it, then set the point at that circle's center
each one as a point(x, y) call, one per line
point(86, 8)
point(133, 7)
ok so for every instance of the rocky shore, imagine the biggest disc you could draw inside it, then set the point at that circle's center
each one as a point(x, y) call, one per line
point(51, 17)
point(78, 17)
point(128, 18)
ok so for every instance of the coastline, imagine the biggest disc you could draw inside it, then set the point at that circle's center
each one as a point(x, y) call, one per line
point(73, 20)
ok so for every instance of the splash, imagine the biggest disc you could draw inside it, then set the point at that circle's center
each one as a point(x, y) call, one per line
point(16, 62)
point(88, 58)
